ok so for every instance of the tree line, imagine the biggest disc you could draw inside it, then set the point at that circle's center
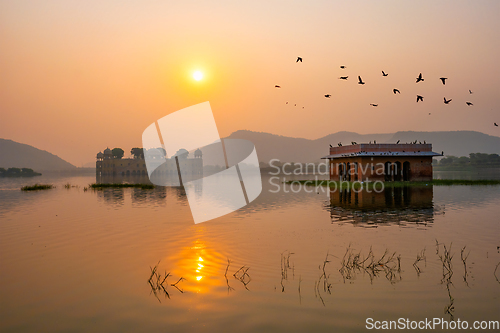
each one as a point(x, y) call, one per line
point(474, 159)
point(137, 153)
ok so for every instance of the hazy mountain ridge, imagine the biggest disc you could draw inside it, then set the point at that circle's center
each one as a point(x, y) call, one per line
point(271, 146)
point(287, 149)
point(20, 155)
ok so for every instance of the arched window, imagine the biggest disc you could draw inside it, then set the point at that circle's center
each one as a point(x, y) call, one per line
point(397, 171)
point(406, 171)
point(388, 171)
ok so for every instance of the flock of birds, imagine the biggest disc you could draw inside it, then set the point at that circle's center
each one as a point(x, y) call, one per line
point(395, 91)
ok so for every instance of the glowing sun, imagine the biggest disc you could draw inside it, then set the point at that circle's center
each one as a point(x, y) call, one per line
point(198, 75)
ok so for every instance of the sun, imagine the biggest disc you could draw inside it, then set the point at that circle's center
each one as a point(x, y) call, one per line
point(198, 75)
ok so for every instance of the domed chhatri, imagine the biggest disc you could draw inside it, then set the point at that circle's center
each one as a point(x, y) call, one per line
point(108, 154)
point(181, 153)
point(100, 156)
point(198, 153)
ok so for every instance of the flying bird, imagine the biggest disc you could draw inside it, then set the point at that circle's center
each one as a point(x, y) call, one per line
point(469, 103)
point(419, 78)
point(360, 81)
point(286, 102)
point(470, 92)
point(343, 67)
point(373, 104)
point(446, 101)
point(396, 91)
point(495, 124)
point(331, 146)
point(420, 98)
point(383, 73)
point(328, 95)
point(398, 141)
point(299, 59)
point(443, 79)
point(343, 77)
point(276, 86)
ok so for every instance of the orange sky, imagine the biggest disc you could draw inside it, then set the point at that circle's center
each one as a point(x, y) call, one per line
point(76, 77)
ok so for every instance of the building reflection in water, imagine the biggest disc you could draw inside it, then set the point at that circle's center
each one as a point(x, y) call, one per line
point(393, 205)
point(157, 195)
point(112, 196)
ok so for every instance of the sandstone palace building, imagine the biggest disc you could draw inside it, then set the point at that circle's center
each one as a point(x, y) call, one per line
point(109, 166)
point(381, 162)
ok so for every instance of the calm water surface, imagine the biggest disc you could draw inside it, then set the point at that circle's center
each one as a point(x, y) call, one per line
point(79, 261)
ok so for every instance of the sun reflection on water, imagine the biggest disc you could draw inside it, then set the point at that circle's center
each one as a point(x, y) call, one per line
point(201, 266)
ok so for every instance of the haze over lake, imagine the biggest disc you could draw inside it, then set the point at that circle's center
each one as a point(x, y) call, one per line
point(166, 134)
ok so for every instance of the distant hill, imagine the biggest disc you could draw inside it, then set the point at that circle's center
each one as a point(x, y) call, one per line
point(287, 149)
point(456, 143)
point(19, 155)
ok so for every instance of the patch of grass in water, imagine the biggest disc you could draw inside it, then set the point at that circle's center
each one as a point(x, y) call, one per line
point(37, 187)
point(99, 186)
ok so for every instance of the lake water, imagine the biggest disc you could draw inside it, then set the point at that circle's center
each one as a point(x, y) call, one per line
point(79, 261)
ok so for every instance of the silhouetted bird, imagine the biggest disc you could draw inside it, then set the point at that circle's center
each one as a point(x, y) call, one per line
point(495, 124)
point(446, 101)
point(420, 98)
point(328, 95)
point(295, 105)
point(398, 141)
point(331, 146)
point(299, 59)
point(343, 77)
point(343, 67)
point(286, 102)
point(360, 81)
point(443, 79)
point(276, 86)
point(470, 92)
point(373, 104)
point(396, 91)
point(383, 73)
point(419, 78)
point(429, 113)
point(469, 103)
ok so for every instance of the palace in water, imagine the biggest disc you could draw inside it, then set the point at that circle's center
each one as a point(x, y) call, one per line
point(381, 162)
point(108, 165)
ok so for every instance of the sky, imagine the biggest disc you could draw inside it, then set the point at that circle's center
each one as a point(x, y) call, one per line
point(79, 76)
